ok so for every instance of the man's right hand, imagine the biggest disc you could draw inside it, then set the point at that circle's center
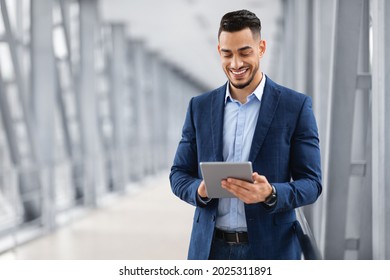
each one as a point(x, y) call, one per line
point(202, 190)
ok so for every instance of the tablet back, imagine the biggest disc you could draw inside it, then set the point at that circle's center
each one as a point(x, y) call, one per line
point(214, 172)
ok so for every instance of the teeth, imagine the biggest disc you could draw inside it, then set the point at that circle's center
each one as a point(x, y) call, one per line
point(238, 72)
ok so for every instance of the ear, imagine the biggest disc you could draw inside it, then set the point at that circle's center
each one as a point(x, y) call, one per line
point(219, 49)
point(262, 48)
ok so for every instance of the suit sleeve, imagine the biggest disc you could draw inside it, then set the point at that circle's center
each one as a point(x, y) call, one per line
point(305, 164)
point(184, 172)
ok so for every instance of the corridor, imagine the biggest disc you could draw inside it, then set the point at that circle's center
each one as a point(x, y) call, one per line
point(147, 223)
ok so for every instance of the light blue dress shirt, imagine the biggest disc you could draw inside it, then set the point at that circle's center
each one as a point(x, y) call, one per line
point(238, 129)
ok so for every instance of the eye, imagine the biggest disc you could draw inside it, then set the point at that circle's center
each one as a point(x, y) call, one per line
point(246, 54)
point(227, 55)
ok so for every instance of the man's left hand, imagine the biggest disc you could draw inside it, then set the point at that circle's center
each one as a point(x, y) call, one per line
point(255, 192)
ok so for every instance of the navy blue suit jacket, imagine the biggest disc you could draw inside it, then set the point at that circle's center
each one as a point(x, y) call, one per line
point(285, 149)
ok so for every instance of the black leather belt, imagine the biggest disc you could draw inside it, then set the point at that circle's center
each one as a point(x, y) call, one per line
point(232, 237)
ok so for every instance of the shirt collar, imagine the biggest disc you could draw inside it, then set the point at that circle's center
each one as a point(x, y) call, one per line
point(258, 92)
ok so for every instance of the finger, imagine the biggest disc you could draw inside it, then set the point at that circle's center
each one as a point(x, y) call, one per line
point(243, 194)
point(247, 195)
point(240, 183)
point(236, 190)
point(257, 178)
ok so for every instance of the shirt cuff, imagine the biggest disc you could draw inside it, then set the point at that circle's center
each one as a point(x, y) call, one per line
point(202, 200)
point(271, 204)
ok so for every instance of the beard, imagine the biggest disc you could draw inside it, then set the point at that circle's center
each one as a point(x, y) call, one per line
point(247, 83)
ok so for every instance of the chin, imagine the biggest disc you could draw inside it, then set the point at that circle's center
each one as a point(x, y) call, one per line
point(240, 84)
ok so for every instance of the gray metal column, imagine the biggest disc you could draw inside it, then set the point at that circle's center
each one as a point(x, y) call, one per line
point(381, 129)
point(66, 90)
point(17, 124)
point(301, 29)
point(148, 112)
point(343, 87)
point(104, 98)
point(141, 100)
point(118, 106)
point(158, 112)
point(304, 67)
point(67, 100)
point(89, 27)
point(323, 35)
point(288, 58)
point(134, 114)
point(43, 97)
point(173, 123)
point(358, 238)
point(164, 113)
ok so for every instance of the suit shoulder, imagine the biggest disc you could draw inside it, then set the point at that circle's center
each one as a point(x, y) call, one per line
point(290, 95)
point(205, 98)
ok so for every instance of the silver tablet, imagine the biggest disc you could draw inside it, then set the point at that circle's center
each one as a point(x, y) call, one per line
point(214, 172)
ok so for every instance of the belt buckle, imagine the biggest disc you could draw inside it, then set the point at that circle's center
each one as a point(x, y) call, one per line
point(237, 237)
point(236, 241)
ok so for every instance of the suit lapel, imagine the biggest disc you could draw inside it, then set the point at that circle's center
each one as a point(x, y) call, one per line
point(217, 113)
point(269, 103)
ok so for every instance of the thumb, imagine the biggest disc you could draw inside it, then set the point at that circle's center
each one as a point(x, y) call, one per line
point(256, 177)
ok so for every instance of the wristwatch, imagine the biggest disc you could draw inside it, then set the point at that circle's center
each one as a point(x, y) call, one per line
point(271, 199)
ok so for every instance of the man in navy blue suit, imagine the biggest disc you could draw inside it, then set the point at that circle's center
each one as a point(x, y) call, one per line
point(250, 118)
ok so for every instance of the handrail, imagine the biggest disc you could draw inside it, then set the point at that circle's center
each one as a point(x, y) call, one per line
point(306, 238)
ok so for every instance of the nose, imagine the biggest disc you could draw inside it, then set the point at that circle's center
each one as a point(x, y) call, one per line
point(236, 62)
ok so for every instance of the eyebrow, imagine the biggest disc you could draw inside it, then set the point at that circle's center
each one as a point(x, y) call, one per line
point(240, 49)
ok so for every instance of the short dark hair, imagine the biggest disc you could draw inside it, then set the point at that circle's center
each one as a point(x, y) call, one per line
point(239, 20)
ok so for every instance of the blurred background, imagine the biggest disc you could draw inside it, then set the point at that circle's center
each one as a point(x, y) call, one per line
point(93, 95)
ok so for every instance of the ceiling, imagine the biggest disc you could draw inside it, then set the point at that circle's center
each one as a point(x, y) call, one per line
point(184, 32)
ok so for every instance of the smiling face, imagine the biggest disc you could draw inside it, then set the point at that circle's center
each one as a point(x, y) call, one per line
point(240, 54)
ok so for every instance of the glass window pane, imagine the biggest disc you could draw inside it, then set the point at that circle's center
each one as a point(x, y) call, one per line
point(6, 66)
point(57, 18)
point(26, 21)
point(59, 43)
point(2, 29)
point(12, 10)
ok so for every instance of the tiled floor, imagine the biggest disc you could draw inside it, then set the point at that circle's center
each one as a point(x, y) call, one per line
point(149, 224)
